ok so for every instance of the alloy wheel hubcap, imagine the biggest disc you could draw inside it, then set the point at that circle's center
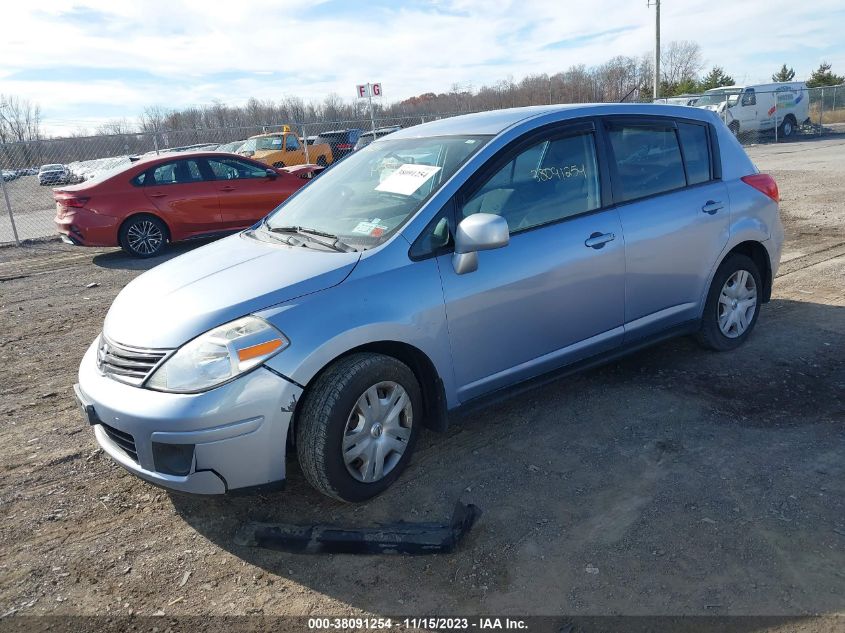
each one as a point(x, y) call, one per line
point(737, 304)
point(144, 237)
point(377, 431)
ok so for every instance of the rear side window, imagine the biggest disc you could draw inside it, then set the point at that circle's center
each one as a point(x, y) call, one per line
point(175, 173)
point(696, 152)
point(648, 159)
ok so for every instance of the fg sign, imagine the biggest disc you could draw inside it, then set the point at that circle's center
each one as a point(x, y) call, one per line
point(369, 90)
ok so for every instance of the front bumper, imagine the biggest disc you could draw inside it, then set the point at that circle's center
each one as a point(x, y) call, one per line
point(230, 437)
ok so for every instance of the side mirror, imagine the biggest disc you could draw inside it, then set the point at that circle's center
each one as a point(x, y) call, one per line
point(272, 174)
point(478, 232)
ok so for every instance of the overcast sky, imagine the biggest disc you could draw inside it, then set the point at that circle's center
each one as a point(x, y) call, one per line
point(86, 61)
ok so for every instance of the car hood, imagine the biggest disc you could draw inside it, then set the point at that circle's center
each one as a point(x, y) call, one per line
point(188, 295)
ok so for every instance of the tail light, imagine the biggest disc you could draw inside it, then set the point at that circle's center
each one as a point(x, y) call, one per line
point(763, 183)
point(344, 146)
point(77, 202)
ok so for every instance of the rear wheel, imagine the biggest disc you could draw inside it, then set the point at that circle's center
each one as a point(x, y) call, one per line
point(356, 430)
point(787, 127)
point(733, 304)
point(143, 236)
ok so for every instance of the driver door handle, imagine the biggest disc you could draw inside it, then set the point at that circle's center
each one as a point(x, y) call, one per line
point(711, 206)
point(158, 194)
point(598, 240)
point(227, 188)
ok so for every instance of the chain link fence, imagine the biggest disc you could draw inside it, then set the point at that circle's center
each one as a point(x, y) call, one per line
point(31, 170)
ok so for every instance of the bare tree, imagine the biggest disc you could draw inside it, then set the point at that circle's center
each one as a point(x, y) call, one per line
point(115, 127)
point(20, 119)
point(681, 62)
point(153, 119)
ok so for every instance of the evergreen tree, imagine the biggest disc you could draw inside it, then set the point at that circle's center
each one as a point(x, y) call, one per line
point(823, 76)
point(716, 78)
point(784, 74)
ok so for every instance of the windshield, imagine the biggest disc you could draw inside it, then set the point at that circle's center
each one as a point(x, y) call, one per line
point(716, 97)
point(264, 142)
point(366, 197)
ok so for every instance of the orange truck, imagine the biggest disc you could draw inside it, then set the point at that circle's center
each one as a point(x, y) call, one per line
point(284, 149)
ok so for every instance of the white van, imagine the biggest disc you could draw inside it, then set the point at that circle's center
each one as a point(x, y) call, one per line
point(684, 100)
point(785, 105)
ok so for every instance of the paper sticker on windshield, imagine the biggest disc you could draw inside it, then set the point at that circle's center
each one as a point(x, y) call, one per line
point(372, 228)
point(407, 179)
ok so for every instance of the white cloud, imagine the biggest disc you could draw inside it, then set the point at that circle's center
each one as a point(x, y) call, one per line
point(410, 48)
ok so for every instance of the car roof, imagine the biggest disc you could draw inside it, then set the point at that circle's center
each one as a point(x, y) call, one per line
point(165, 155)
point(497, 121)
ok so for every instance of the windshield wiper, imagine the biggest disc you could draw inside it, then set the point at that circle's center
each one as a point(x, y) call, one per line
point(310, 233)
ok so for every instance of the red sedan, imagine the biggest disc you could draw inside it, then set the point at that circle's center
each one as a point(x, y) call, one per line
point(174, 197)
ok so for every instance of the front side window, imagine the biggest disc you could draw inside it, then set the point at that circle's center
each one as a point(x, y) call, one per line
point(749, 97)
point(368, 196)
point(551, 180)
point(174, 173)
point(233, 169)
point(648, 159)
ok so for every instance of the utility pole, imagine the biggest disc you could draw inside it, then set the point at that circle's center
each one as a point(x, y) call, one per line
point(656, 4)
point(370, 99)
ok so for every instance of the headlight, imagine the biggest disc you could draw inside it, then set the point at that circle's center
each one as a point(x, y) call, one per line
point(218, 356)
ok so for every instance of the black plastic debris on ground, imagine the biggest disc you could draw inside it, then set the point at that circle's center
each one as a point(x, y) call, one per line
point(395, 538)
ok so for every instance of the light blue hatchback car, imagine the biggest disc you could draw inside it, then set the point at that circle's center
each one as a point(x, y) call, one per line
point(435, 267)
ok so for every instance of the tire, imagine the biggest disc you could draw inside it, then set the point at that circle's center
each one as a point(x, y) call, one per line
point(331, 409)
point(278, 165)
point(322, 162)
point(143, 236)
point(734, 128)
point(717, 311)
point(787, 127)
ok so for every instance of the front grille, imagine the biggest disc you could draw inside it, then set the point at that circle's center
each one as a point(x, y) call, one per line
point(124, 440)
point(127, 364)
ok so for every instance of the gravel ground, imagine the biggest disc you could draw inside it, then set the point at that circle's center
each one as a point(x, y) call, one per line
point(675, 481)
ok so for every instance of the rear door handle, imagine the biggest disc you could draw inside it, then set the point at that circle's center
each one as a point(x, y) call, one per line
point(711, 206)
point(158, 195)
point(598, 240)
point(227, 188)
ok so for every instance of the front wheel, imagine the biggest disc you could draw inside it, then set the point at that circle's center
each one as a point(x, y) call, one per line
point(733, 304)
point(356, 430)
point(143, 236)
